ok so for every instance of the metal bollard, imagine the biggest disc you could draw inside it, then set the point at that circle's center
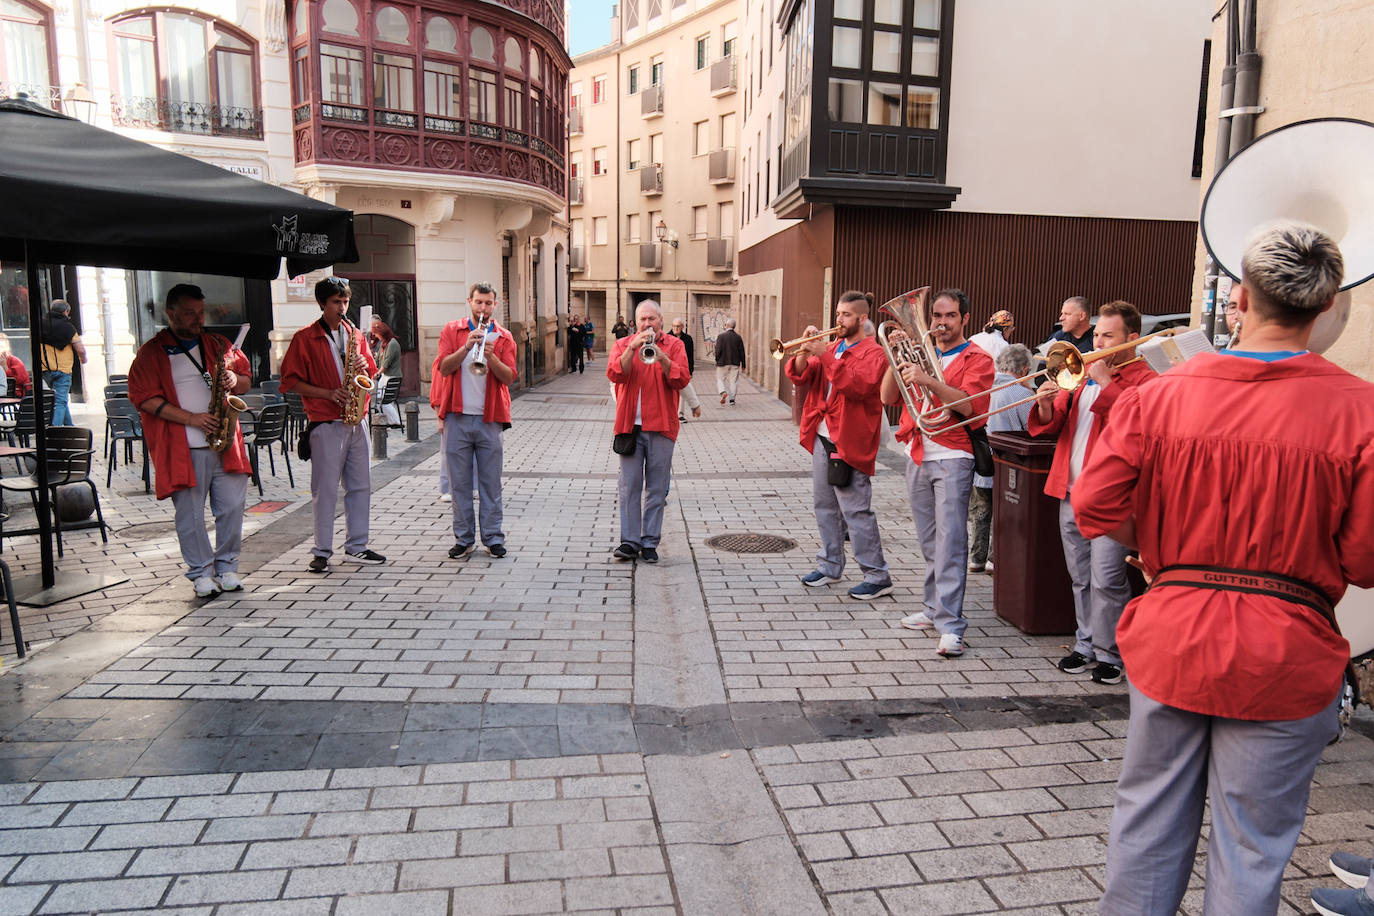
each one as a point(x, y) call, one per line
point(412, 421)
point(379, 431)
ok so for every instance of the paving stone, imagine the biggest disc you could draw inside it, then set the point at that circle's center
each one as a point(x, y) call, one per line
point(175, 860)
point(570, 863)
point(618, 892)
point(70, 866)
point(411, 903)
point(27, 841)
point(343, 880)
point(944, 899)
point(854, 874)
point(1044, 888)
point(91, 896)
point(441, 844)
point(297, 853)
point(134, 836)
point(459, 873)
point(497, 840)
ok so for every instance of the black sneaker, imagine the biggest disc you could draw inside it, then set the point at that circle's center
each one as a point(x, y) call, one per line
point(626, 551)
point(497, 550)
point(1107, 674)
point(318, 564)
point(458, 551)
point(365, 556)
point(1075, 663)
point(649, 555)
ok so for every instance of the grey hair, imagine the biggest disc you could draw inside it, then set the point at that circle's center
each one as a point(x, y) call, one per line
point(1014, 360)
point(1294, 267)
point(1082, 302)
point(651, 304)
point(730, 322)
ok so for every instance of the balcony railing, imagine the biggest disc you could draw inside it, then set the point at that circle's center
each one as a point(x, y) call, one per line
point(651, 180)
point(722, 165)
point(651, 101)
point(723, 78)
point(574, 121)
point(187, 117)
point(650, 257)
point(577, 259)
point(576, 189)
point(720, 254)
point(47, 96)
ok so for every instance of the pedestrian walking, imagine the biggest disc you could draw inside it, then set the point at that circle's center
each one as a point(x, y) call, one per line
point(62, 347)
point(730, 361)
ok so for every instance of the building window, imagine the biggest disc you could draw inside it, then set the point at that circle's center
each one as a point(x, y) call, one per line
point(631, 228)
point(481, 45)
point(703, 54)
point(727, 129)
point(393, 26)
point(923, 107)
point(481, 95)
point(656, 72)
point(514, 57)
point(441, 36)
point(725, 219)
point(846, 101)
point(184, 73)
point(578, 233)
point(598, 230)
point(878, 89)
point(699, 222)
point(598, 90)
point(575, 165)
point(24, 32)
point(632, 154)
point(632, 80)
point(729, 34)
point(656, 149)
point(599, 166)
point(443, 89)
point(393, 82)
point(515, 105)
point(701, 138)
point(341, 18)
point(341, 74)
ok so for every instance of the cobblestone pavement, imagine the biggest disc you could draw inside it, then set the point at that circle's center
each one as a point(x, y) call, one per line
point(556, 731)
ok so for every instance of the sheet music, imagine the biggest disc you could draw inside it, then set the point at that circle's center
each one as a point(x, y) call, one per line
point(1163, 354)
point(243, 334)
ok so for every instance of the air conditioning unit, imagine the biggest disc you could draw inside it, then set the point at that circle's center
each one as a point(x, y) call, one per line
point(720, 254)
point(651, 102)
point(722, 165)
point(723, 78)
point(650, 257)
point(651, 180)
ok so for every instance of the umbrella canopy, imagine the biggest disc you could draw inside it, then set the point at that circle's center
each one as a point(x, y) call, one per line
point(83, 195)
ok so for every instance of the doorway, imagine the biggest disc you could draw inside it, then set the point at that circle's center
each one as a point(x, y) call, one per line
point(384, 278)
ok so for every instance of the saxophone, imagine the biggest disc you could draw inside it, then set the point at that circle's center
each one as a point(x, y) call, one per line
point(224, 407)
point(356, 379)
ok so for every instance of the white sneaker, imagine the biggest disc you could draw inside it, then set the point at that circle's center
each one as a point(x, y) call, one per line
point(917, 621)
point(976, 567)
point(445, 497)
point(230, 582)
point(987, 567)
point(206, 587)
point(950, 646)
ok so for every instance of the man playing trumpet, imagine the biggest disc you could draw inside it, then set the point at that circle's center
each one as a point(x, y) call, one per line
point(840, 428)
point(170, 381)
point(939, 476)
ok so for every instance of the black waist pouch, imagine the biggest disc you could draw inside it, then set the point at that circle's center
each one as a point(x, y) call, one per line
point(624, 443)
point(837, 472)
point(303, 444)
point(982, 452)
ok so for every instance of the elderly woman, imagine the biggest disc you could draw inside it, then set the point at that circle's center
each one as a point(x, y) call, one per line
point(388, 366)
point(14, 368)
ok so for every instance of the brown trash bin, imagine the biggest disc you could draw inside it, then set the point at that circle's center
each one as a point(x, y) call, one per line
point(1030, 586)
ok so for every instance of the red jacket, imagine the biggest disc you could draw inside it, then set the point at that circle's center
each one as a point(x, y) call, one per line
point(310, 359)
point(150, 376)
point(855, 407)
point(813, 408)
point(15, 369)
point(645, 384)
point(972, 372)
point(446, 391)
point(1065, 422)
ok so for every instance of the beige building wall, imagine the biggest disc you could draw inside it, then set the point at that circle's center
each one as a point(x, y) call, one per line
point(655, 167)
point(1314, 65)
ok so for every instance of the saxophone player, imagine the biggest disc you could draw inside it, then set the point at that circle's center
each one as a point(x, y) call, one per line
point(322, 365)
point(171, 381)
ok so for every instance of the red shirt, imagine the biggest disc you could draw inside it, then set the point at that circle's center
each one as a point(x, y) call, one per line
point(854, 409)
point(15, 369)
point(1064, 423)
point(813, 408)
point(150, 376)
point(1235, 462)
point(972, 372)
point(310, 359)
point(646, 386)
point(446, 391)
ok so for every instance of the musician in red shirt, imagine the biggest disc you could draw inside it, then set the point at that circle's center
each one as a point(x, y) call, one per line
point(840, 428)
point(939, 477)
point(1097, 566)
point(646, 402)
point(1246, 478)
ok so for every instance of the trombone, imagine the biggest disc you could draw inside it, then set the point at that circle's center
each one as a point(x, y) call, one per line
point(1064, 365)
point(781, 349)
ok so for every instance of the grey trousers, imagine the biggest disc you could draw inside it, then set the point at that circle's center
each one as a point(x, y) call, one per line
point(938, 491)
point(840, 509)
point(340, 453)
point(727, 380)
point(980, 526)
point(474, 447)
point(1097, 568)
point(1256, 776)
point(227, 493)
point(643, 489)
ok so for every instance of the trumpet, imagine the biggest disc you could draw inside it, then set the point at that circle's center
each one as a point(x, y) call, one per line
point(648, 353)
point(781, 349)
point(1064, 366)
point(479, 359)
point(918, 348)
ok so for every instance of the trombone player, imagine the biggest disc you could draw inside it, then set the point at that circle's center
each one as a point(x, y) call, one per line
point(840, 428)
point(939, 476)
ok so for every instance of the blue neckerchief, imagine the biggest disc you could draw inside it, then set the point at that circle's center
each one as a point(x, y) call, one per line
point(1268, 357)
point(844, 345)
point(955, 352)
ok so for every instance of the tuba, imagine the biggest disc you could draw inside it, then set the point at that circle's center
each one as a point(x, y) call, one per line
point(908, 313)
point(224, 407)
point(356, 379)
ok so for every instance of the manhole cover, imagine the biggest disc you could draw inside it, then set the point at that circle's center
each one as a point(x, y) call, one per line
point(751, 543)
point(148, 531)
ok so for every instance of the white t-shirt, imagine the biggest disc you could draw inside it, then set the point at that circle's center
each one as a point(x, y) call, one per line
point(339, 340)
point(474, 385)
point(932, 450)
point(991, 341)
point(1082, 429)
point(193, 393)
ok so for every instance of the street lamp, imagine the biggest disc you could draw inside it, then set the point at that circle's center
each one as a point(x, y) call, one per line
point(664, 234)
point(80, 104)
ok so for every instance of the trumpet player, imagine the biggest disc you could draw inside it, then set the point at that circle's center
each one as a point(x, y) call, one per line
point(840, 427)
point(1097, 566)
point(471, 394)
point(317, 366)
point(939, 476)
point(647, 383)
point(170, 381)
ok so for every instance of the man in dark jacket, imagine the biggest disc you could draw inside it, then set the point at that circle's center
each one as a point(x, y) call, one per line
point(729, 361)
point(689, 394)
point(576, 351)
point(62, 347)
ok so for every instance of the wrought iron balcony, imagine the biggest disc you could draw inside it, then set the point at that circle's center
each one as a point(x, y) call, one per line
point(651, 180)
point(576, 187)
point(723, 79)
point(651, 102)
point(187, 117)
point(650, 257)
point(47, 96)
point(720, 254)
point(722, 165)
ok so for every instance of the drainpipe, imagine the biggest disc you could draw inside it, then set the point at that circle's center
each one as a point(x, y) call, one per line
point(1211, 272)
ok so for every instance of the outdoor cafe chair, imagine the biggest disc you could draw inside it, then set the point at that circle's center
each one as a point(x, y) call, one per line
point(24, 416)
point(268, 430)
point(117, 390)
point(69, 450)
point(123, 425)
